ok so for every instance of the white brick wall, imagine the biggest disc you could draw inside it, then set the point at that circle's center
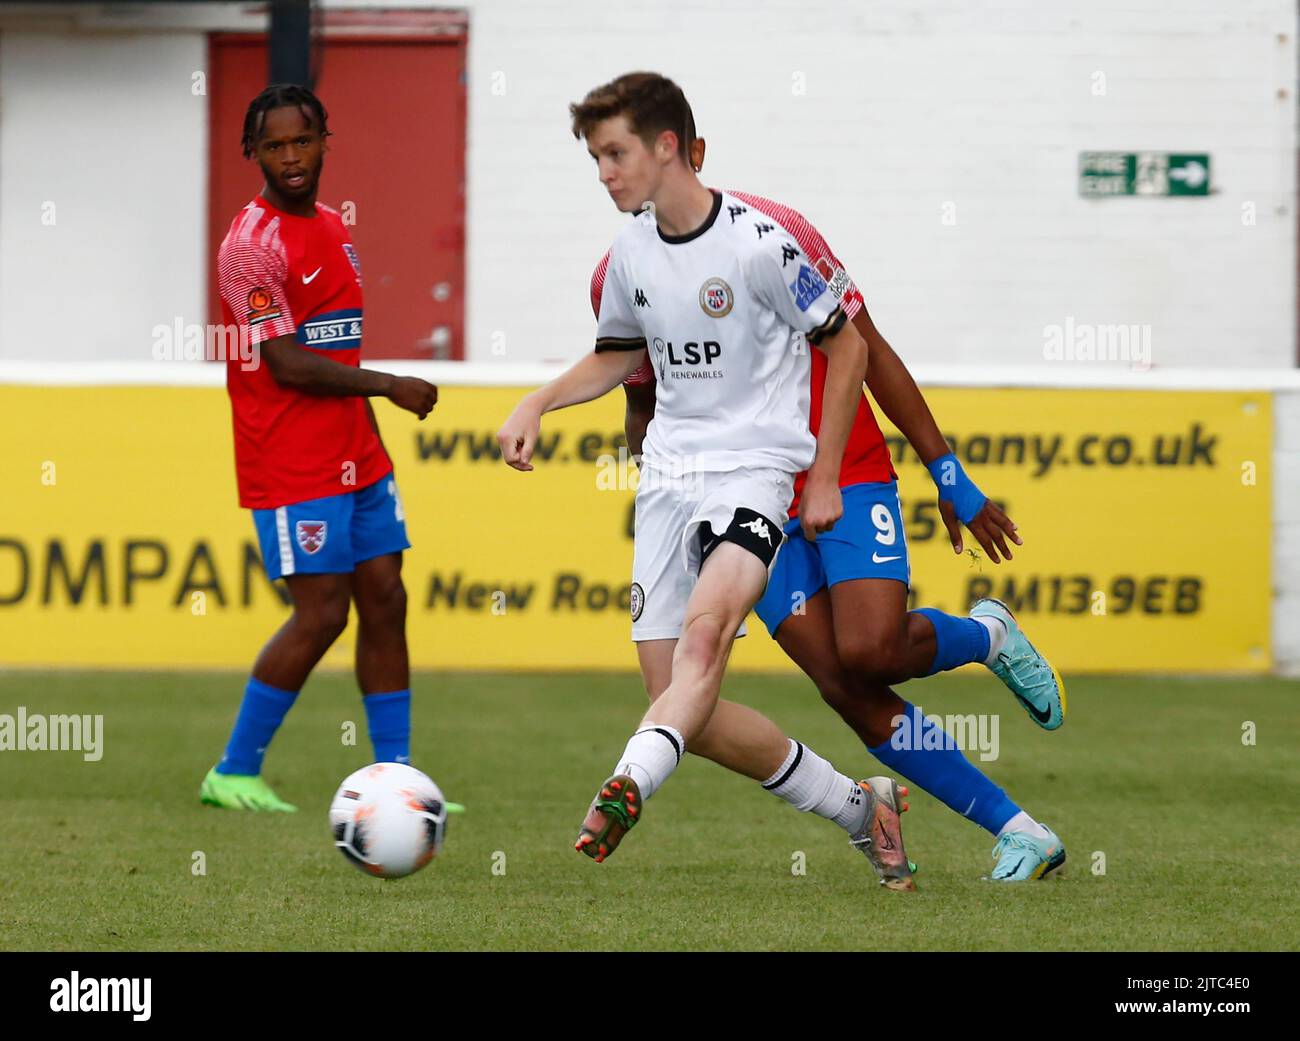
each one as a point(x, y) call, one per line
point(103, 208)
point(906, 105)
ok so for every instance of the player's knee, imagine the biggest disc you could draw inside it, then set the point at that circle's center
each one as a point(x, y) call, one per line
point(703, 641)
point(878, 656)
point(326, 621)
point(385, 605)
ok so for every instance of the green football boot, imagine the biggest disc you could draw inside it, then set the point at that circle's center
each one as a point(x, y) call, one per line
point(241, 792)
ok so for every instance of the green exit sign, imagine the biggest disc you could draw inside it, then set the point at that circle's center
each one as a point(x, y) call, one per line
point(1143, 173)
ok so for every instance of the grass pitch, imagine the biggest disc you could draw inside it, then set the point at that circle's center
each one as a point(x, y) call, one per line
point(1198, 830)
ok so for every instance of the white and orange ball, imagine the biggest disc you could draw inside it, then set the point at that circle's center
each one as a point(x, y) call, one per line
point(388, 819)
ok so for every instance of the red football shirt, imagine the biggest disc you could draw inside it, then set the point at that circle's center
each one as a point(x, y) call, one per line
point(282, 275)
point(866, 456)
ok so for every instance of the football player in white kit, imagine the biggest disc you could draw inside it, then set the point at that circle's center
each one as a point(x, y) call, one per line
point(724, 303)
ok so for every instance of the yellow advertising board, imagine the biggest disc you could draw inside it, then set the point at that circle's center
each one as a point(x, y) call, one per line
point(1145, 514)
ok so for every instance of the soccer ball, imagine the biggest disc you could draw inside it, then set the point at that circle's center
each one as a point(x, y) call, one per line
point(388, 819)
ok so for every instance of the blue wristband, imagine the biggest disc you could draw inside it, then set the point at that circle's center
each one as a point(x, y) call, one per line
point(955, 487)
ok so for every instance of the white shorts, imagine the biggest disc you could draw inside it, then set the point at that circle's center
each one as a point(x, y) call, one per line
point(670, 518)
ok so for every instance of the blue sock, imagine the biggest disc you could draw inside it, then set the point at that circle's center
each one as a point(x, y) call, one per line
point(389, 719)
point(260, 715)
point(959, 641)
point(931, 760)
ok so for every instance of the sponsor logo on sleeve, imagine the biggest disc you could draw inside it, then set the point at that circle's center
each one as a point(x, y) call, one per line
point(837, 279)
point(261, 306)
point(807, 287)
point(351, 252)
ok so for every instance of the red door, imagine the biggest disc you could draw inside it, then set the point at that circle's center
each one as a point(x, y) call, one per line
point(395, 167)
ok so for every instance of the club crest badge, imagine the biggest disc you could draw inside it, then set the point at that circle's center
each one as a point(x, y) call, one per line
point(716, 298)
point(310, 535)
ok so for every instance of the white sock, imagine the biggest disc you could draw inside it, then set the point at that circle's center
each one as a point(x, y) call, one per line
point(650, 756)
point(812, 785)
point(1023, 822)
point(997, 636)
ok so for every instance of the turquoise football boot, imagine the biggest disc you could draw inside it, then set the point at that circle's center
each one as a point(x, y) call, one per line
point(1022, 857)
point(1028, 675)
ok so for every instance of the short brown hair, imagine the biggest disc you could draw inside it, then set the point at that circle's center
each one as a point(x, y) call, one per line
point(652, 104)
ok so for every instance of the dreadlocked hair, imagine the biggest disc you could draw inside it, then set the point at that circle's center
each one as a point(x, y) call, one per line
point(281, 95)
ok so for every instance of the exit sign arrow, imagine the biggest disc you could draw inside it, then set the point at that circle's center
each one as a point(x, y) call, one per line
point(1189, 175)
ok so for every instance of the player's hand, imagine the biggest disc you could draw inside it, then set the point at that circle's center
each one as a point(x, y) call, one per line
point(413, 394)
point(518, 436)
point(819, 509)
point(991, 528)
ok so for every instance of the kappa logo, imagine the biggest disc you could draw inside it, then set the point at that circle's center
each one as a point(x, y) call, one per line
point(716, 298)
point(807, 287)
point(640, 299)
point(311, 535)
point(759, 527)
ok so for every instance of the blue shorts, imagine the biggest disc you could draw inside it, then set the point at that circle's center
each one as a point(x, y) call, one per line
point(866, 542)
point(334, 534)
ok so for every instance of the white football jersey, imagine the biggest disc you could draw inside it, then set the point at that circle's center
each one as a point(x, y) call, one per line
point(726, 313)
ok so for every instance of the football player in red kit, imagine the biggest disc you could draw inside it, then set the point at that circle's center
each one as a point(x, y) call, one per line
point(308, 456)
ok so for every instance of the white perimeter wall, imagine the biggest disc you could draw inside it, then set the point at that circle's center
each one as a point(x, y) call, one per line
point(101, 135)
point(869, 116)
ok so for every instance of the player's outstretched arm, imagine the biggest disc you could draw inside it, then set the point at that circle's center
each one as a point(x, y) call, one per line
point(960, 501)
point(312, 373)
point(846, 368)
point(591, 377)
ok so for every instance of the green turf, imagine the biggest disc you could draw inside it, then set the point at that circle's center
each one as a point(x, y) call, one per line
point(1199, 832)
